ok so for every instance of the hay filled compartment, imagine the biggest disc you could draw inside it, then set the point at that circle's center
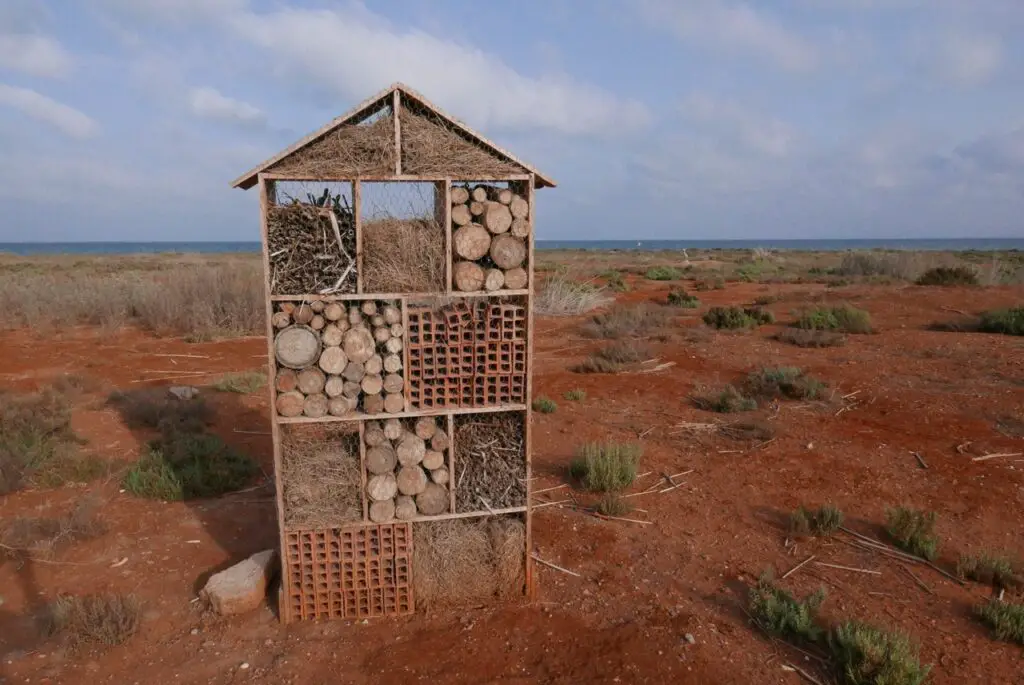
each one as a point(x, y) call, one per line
point(489, 456)
point(469, 561)
point(311, 239)
point(403, 237)
point(408, 468)
point(339, 358)
point(320, 478)
point(490, 236)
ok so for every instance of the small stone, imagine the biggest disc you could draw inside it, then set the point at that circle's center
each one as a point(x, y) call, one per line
point(690, 639)
point(194, 631)
point(244, 666)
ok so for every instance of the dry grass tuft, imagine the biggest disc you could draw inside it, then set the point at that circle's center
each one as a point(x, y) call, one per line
point(802, 337)
point(992, 568)
point(913, 531)
point(559, 295)
point(629, 321)
point(353, 149)
point(461, 561)
point(403, 255)
point(612, 504)
point(97, 619)
point(606, 467)
point(1006, 619)
point(614, 357)
point(243, 383)
point(42, 538)
point(783, 382)
point(320, 477)
point(779, 613)
point(726, 401)
point(430, 146)
point(867, 655)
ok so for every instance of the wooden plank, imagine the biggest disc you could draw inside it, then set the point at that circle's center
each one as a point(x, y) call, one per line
point(309, 297)
point(284, 597)
point(362, 471)
point(400, 415)
point(444, 199)
point(405, 354)
point(396, 108)
point(401, 178)
point(357, 224)
point(347, 525)
point(451, 461)
point(531, 589)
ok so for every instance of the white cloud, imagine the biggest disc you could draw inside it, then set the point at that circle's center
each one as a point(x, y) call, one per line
point(356, 53)
point(175, 10)
point(733, 27)
point(969, 60)
point(68, 120)
point(209, 103)
point(34, 55)
point(735, 124)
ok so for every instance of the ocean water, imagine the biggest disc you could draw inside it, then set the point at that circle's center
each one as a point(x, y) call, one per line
point(111, 248)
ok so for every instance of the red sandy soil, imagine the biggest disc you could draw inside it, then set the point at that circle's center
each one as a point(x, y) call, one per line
point(641, 588)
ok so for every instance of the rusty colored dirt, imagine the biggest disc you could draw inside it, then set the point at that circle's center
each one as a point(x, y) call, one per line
point(642, 588)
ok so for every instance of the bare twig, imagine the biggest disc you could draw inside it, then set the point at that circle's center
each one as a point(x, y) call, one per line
point(799, 566)
point(550, 504)
point(556, 487)
point(557, 568)
point(917, 580)
point(986, 457)
point(883, 548)
point(920, 460)
point(802, 672)
point(619, 518)
point(848, 568)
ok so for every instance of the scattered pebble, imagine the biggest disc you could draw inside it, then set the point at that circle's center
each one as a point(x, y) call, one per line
point(194, 631)
point(244, 666)
point(690, 639)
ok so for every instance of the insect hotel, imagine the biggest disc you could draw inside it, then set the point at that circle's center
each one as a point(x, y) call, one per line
point(398, 259)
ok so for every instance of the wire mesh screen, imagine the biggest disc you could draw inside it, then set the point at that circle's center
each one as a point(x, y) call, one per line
point(403, 237)
point(311, 238)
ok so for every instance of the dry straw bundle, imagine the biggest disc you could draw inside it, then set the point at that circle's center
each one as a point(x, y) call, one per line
point(320, 477)
point(429, 146)
point(461, 561)
point(352, 149)
point(403, 256)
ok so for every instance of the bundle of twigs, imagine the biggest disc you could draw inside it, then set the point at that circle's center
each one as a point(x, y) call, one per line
point(491, 462)
point(309, 252)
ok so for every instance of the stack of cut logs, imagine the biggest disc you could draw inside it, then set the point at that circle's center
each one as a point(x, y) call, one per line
point(336, 357)
point(490, 230)
point(407, 473)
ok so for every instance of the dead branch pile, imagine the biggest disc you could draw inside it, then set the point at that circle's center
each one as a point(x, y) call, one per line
point(403, 256)
point(462, 561)
point(320, 477)
point(490, 461)
point(429, 146)
point(348, 150)
point(305, 256)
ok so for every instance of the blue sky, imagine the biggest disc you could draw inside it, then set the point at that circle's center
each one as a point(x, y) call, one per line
point(127, 119)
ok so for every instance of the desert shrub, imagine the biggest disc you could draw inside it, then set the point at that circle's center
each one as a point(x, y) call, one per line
point(779, 613)
point(765, 300)
point(904, 266)
point(155, 408)
point(949, 276)
point(186, 465)
point(612, 504)
point(727, 401)
point(663, 273)
point(1006, 619)
point(544, 405)
point(681, 298)
point(802, 337)
point(1006, 321)
point(783, 382)
point(43, 537)
point(98, 619)
point(991, 568)
point(750, 431)
point(559, 295)
point(577, 395)
point(913, 531)
point(242, 383)
point(704, 285)
point(614, 357)
point(866, 655)
point(606, 467)
point(37, 445)
point(634, 320)
point(615, 281)
point(842, 318)
point(735, 317)
point(825, 521)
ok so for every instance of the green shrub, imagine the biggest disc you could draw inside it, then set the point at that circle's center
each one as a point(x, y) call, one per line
point(98, 619)
point(544, 405)
point(825, 521)
point(734, 317)
point(779, 613)
point(987, 567)
point(183, 465)
point(577, 395)
point(727, 401)
point(1006, 321)
point(842, 318)
point(663, 273)
point(802, 337)
point(866, 655)
point(242, 383)
point(615, 281)
point(709, 284)
point(613, 505)
point(606, 467)
point(680, 298)
point(913, 531)
point(784, 382)
point(1006, 619)
point(948, 275)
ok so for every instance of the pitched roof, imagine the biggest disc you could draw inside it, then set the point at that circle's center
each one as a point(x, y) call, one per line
point(373, 104)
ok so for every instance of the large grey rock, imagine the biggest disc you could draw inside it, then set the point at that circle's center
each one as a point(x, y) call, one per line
point(242, 587)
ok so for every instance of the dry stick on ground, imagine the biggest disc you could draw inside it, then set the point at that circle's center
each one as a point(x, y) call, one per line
point(917, 580)
point(799, 566)
point(556, 487)
point(848, 568)
point(986, 457)
point(883, 548)
point(557, 568)
point(550, 504)
point(619, 518)
point(920, 460)
point(803, 673)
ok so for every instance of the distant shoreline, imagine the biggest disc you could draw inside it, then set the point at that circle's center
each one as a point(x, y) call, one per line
point(795, 245)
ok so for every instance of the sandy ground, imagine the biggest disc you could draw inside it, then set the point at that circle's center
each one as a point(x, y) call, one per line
point(642, 588)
